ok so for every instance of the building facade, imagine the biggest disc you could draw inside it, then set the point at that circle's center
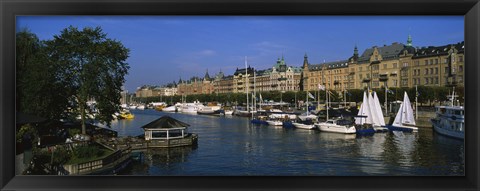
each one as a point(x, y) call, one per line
point(395, 65)
point(196, 85)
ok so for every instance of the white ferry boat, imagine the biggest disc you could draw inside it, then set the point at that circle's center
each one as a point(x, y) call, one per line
point(450, 121)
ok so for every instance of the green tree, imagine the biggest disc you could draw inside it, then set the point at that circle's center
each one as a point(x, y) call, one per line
point(36, 79)
point(90, 65)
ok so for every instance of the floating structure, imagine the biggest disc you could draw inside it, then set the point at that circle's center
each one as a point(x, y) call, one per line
point(168, 132)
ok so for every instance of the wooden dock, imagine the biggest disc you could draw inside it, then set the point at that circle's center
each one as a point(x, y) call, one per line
point(138, 143)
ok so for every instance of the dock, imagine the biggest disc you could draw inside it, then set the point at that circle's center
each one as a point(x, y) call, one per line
point(139, 143)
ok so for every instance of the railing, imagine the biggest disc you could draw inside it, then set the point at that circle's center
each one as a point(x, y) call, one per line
point(92, 166)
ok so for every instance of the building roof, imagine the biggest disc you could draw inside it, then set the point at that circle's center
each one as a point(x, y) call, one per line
point(388, 52)
point(329, 65)
point(242, 71)
point(438, 50)
point(165, 122)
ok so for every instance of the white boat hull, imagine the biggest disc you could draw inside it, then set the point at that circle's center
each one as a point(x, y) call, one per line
point(303, 126)
point(170, 109)
point(415, 129)
point(336, 128)
point(228, 113)
point(380, 129)
point(274, 123)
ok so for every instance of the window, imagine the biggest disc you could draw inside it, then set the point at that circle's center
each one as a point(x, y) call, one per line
point(405, 64)
point(385, 66)
point(426, 80)
point(417, 63)
point(436, 70)
point(436, 80)
point(460, 68)
point(460, 58)
point(436, 61)
point(426, 71)
point(394, 65)
point(431, 70)
point(360, 69)
point(360, 76)
point(431, 61)
point(445, 60)
point(426, 62)
point(414, 81)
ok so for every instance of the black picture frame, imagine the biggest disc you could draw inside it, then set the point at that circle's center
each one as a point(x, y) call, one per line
point(9, 9)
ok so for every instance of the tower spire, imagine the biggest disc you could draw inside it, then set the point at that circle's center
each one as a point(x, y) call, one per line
point(409, 40)
point(305, 61)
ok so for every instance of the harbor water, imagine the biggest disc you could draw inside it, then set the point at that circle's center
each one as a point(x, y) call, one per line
point(232, 146)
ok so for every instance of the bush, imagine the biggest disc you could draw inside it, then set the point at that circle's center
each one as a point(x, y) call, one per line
point(88, 152)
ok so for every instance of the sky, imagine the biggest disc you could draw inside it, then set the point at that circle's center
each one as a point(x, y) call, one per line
point(164, 49)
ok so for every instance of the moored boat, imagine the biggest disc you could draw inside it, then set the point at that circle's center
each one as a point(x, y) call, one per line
point(228, 112)
point(337, 126)
point(274, 122)
point(450, 121)
point(404, 120)
point(208, 111)
point(126, 115)
point(307, 124)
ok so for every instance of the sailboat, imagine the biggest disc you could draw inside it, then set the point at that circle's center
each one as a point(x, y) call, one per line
point(379, 120)
point(367, 116)
point(305, 121)
point(404, 120)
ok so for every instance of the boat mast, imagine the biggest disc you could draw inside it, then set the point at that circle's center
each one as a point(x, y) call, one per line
point(306, 95)
point(254, 91)
point(453, 96)
point(416, 102)
point(246, 81)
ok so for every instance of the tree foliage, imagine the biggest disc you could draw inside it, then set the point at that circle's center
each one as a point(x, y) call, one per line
point(57, 77)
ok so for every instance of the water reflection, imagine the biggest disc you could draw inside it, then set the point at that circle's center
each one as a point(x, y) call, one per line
point(234, 146)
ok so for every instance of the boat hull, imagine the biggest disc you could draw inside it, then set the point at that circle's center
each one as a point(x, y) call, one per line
point(304, 126)
point(380, 129)
point(275, 123)
point(402, 128)
point(447, 132)
point(336, 128)
point(208, 112)
point(259, 122)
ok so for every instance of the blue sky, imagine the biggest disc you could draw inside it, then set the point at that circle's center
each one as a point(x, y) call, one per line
point(165, 48)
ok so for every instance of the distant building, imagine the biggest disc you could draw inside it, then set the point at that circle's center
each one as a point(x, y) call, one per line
point(196, 85)
point(395, 65)
point(155, 91)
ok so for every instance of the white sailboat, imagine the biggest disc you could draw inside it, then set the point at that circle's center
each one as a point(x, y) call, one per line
point(364, 113)
point(404, 120)
point(379, 120)
point(366, 116)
